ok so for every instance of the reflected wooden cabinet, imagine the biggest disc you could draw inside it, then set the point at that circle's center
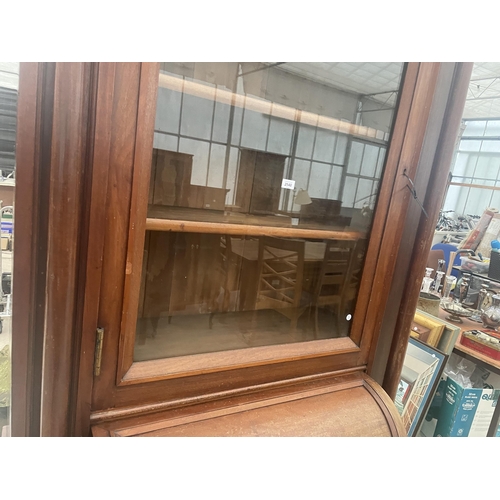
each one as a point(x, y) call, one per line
point(180, 273)
point(171, 184)
point(170, 178)
point(259, 182)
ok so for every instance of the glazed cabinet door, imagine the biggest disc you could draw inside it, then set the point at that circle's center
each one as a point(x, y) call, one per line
point(243, 221)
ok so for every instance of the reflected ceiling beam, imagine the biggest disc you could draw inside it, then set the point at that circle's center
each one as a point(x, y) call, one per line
point(484, 78)
point(483, 98)
point(269, 108)
point(261, 69)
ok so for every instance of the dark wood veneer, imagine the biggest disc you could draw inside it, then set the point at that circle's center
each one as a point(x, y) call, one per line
point(437, 179)
point(67, 242)
point(400, 200)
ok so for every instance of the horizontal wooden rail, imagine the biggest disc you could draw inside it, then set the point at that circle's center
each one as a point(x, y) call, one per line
point(195, 364)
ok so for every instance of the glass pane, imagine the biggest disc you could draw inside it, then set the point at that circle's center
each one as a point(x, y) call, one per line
point(255, 130)
point(369, 165)
point(474, 128)
point(340, 149)
point(355, 157)
point(335, 178)
point(451, 198)
point(169, 122)
point(9, 82)
point(363, 195)
point(318, 183)
point(380, 162)
point(305, 141)
point(485, 169)
point(495, 199)
point(165, 141)
point(196, 117)
point(470, 145)
point(324, 146)
point(197, 152)
point(461, 162)
point(477, 201)
point(280, 136)
point(471, 166)
point(221, 122)
point(216, 168)
point(232, 171)
point(300, 173)
point(493, 128)
point(491, 146)
point(461, 200)
point(264, 232)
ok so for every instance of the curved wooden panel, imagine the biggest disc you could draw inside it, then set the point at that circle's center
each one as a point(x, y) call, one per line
point(349, 406)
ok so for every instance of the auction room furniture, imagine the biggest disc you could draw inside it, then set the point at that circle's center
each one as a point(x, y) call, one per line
point(334, 280)
point(104, 249)
point(247, 250)
point(170, 178)
point(229, 272)
point(280, 276)
point(259, 182)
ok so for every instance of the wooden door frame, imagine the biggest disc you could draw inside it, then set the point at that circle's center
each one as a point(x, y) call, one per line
point(53, 174)
point(434, 176)
point(69, 335)
point(29, 251)
point(450, 79)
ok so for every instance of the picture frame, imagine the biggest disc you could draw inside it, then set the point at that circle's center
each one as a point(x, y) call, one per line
point(422, 370)
point(427, 328)
point(448, 337)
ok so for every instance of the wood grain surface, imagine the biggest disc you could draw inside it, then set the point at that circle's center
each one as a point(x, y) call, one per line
point(352, 405)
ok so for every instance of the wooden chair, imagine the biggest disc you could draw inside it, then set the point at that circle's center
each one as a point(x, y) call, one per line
point(280, 276)
point(338, 278)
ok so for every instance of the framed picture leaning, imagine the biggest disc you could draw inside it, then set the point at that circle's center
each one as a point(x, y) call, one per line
point(420, 376)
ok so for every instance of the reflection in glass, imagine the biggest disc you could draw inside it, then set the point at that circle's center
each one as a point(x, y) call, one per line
point(214, 292)
point(235, 143)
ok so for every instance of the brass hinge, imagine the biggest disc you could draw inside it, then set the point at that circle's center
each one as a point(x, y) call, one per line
point(98, 351)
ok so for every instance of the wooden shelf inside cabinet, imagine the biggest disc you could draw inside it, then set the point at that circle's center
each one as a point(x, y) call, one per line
point(205, 221)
